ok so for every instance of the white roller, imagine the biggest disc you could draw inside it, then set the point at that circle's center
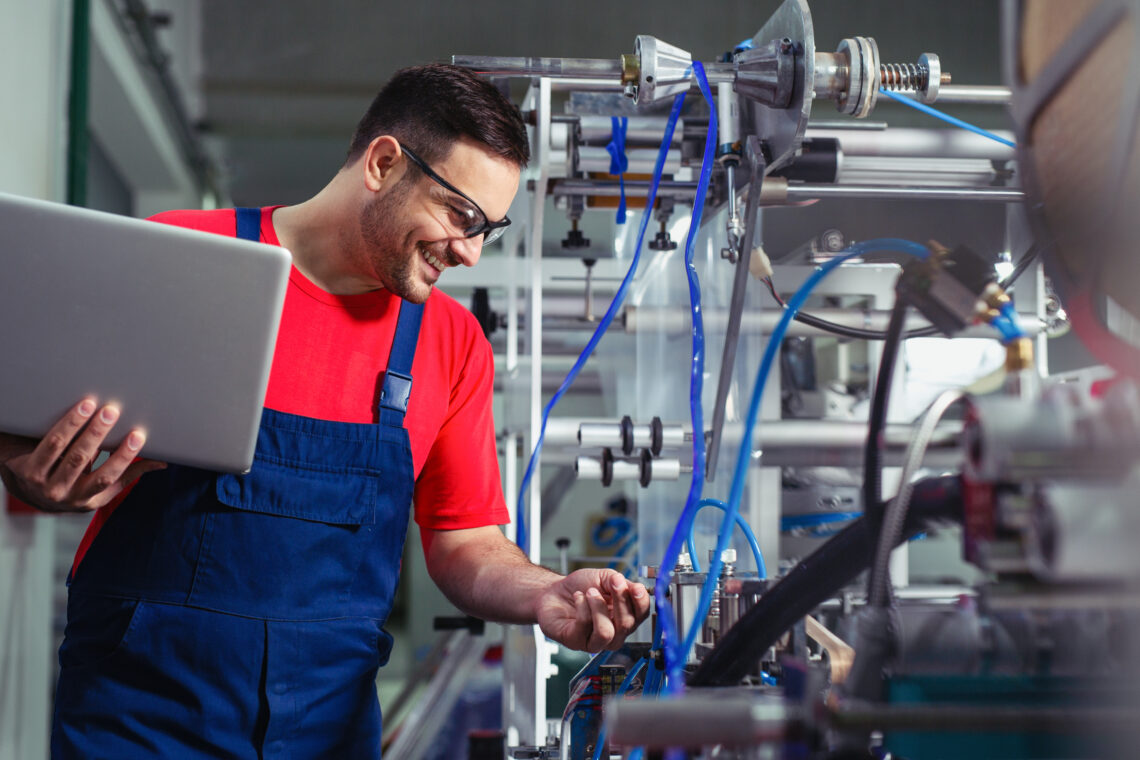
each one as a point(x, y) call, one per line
point(607, 435)
point(590, 468)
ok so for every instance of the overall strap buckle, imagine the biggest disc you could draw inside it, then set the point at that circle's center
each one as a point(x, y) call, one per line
point(396, 391)
point(397, 388)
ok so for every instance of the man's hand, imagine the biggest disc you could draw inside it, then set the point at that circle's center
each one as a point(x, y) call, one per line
point(592, 609)
point(55, 474)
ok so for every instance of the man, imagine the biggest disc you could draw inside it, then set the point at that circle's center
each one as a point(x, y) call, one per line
point(216, 615)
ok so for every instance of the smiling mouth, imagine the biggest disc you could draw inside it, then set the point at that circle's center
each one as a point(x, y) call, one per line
point(432, 260)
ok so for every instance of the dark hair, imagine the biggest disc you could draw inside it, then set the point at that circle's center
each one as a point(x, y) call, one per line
point(430, 107)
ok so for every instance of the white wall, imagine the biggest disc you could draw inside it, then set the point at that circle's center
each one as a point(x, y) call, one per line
point(130, 121)
point(33, 69)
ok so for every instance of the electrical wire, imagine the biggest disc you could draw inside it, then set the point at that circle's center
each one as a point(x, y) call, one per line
point(744, 457)
point(944, 116)
point(621, 690)
point(1023, 263)
point(878, 584)
point(745, 528)
point(603, 325)
point(674, 658)
point(858, 333)
point(845, 331)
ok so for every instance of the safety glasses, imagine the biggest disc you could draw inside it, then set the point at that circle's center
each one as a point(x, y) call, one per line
point(464, 214)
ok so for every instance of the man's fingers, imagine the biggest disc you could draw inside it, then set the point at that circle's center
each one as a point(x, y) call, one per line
point(603, 632)
point(120, 469)
point(624, 617)
point(639, 597)
point(140, 468)
point(85, 448)
point(59, 437)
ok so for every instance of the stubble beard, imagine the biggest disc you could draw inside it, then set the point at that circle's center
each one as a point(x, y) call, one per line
point(390, 255)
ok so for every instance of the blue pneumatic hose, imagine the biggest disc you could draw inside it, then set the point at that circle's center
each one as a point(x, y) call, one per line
point(944, 116)
point(603, 325)
point(745, 528)
point(795, 303)
point(674, 660)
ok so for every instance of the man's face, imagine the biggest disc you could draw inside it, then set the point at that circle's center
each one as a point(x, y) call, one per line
point(412, 232)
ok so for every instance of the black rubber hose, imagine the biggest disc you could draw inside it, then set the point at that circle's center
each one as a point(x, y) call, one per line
point(873, 450)
point(817, 578)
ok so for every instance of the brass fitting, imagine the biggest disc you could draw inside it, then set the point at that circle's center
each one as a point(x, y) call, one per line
point(630, 68)
point(1019, 355)
point(937, 249)
point(995, 297)
point(990, 303)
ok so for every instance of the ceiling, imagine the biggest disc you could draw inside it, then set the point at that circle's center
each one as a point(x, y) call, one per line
point(285, 82)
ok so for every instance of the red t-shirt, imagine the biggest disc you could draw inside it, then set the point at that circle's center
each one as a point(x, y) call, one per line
point(332, 350)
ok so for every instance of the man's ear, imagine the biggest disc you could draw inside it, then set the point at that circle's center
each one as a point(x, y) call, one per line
point(381, 162)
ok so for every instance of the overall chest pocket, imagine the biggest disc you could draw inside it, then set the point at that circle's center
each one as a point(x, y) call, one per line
point(287, 540)
point(344, 495)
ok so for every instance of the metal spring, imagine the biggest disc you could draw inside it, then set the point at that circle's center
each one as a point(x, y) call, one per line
point(903, 76)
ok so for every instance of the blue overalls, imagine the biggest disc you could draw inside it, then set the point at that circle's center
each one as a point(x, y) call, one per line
point(240, 616)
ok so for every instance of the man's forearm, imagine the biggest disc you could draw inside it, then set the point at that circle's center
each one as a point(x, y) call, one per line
point(487, 576)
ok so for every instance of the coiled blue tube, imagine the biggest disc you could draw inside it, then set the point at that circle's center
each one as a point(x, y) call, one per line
point(604, 324)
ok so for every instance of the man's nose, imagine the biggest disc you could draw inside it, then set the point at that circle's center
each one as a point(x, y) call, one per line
point(468, 250)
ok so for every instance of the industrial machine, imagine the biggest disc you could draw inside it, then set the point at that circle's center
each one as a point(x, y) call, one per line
point(763, 379)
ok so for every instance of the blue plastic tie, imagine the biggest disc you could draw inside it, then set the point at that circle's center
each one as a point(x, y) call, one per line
point(1007, 323)
point(619, 162)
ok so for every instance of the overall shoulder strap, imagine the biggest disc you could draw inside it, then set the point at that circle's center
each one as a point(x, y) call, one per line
point(397, 387)
point(249, 223)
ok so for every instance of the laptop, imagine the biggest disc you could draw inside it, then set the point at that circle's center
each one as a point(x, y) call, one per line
point(177, 326)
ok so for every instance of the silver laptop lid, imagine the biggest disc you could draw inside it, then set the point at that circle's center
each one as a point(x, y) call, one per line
point(177, 326)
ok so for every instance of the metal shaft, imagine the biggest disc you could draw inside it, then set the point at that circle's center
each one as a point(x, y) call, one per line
point(577, 68)
point(799, 192)
point(979, 94)
point(803, 192)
